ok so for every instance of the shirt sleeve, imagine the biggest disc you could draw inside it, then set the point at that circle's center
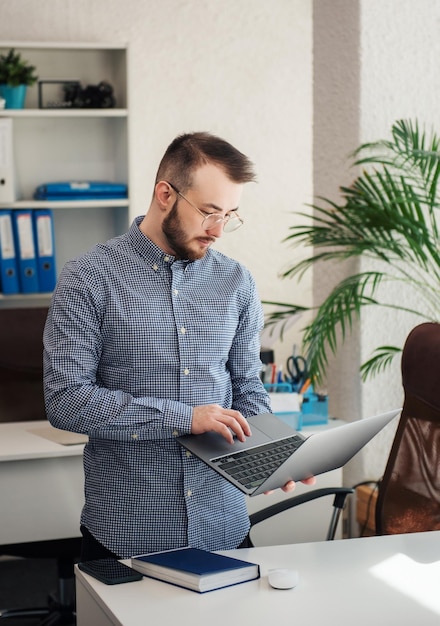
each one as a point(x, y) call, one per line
point(249, 394)
point(72, 350)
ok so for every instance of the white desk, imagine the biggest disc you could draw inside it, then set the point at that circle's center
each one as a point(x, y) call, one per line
point(390, 580)
point(41, 485)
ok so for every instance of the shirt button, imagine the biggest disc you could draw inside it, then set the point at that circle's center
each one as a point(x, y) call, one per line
point(183, 330)
point(155, 267)
point(166, 259)
point(186, 371)
point(175, 433)
point(188, 453)
point(134, 436)
point(189, 493)
point(175, 292)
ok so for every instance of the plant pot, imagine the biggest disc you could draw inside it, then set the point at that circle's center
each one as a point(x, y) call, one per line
point(14, 96)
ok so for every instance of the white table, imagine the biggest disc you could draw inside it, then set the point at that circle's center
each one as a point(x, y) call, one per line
point(41, 485)
point(391, 580)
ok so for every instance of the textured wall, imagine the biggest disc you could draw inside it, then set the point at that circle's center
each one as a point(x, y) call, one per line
point(400, 48)
point(337, 70)
point(383, 55)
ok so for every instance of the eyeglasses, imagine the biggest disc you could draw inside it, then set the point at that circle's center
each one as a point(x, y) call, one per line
point(211, 220)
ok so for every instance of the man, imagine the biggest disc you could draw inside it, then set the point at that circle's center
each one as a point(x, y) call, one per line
point(152, 335)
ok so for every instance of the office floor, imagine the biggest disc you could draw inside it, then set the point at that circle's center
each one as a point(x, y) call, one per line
point(26, 583)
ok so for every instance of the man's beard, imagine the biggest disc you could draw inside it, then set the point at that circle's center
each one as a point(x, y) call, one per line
point(176, 237)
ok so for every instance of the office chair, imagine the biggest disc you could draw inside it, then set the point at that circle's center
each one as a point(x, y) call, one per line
point(338, 505)
point(21, 399)
point(409, 492)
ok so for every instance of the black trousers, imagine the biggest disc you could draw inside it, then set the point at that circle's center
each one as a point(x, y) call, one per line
point(92, 549)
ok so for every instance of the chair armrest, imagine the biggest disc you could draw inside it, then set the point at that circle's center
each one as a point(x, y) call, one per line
point(340, 494)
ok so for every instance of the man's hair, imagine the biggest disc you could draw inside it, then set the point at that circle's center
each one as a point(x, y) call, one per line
point(190, 151)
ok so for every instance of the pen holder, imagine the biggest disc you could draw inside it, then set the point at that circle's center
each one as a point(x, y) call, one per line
point(285, 404)
point(278, 387)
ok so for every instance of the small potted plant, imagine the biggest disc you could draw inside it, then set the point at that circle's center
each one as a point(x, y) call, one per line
point(15, 76)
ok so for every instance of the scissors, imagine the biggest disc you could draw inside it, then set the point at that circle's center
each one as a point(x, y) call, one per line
point(297, 370)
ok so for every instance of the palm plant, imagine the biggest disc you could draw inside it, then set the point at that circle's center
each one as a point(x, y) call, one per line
point(389, 216)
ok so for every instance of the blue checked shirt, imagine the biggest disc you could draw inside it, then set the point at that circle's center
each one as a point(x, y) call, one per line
point(133, 341)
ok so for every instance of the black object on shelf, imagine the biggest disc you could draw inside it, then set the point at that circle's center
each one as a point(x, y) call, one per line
point(71, 94)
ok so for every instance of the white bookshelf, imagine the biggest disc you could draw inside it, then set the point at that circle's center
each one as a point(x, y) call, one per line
point(63, 144)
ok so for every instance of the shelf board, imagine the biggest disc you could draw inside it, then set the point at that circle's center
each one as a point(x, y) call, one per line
point(25, 300)
point(63, 112)
point(65, 204)
point(65, 45)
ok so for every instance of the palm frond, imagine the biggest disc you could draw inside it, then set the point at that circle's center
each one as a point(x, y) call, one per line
point(279, 319)
point(388, 214)
point(336, 315)
point(381, 359)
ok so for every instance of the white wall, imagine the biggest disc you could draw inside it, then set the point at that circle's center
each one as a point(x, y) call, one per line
point(238, 68)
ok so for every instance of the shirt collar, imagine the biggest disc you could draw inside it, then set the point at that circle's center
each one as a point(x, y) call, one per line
point(153, 255)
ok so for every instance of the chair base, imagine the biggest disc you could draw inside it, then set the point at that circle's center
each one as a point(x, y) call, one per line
point(53, 615)
point(58, 610)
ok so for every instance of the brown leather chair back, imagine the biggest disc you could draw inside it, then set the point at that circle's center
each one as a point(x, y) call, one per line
point(409, 493)
point(21, 364)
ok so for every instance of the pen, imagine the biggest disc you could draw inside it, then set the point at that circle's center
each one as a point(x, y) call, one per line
point(305, 386)
point(280, 374)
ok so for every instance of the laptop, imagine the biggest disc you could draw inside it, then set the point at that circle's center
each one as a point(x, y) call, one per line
point(276, 453)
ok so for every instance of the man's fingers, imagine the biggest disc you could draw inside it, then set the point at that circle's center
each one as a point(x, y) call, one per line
point(236, 421)
point(239, 427)
point(290, 486)
point(230, 428)
point(309, 481)
point(226, 422)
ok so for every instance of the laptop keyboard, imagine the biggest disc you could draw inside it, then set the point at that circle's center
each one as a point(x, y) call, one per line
point(252, 467)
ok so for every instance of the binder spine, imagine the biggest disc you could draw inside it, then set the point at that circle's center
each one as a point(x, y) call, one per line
point(45, 248)
point(24, 241)
point(8, 262)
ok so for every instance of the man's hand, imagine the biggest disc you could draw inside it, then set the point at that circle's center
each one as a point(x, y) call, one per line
point(226, 422)
point(290, 486)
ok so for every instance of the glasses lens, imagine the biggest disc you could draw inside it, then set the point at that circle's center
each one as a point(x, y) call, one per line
point(211, 221)
point(232, 224)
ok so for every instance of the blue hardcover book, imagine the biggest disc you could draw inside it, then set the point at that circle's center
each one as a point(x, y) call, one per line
point(25, 245)
point(8, 262)
point(45, 248)
point(81, 190)
point(195, 569)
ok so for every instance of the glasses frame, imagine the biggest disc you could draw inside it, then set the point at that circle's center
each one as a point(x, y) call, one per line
point(235, 219)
